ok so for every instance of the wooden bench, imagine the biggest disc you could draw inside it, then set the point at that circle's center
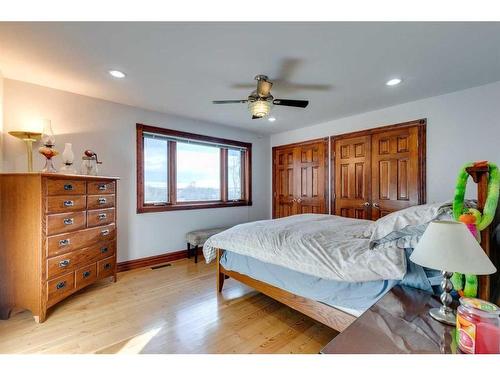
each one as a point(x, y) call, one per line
point(197, 238)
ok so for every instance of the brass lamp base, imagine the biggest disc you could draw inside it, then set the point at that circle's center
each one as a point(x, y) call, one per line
point(443, 315)
point(29, 138)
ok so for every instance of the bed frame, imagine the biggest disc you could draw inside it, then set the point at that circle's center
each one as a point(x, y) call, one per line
point(339, 320)
point(329, 316)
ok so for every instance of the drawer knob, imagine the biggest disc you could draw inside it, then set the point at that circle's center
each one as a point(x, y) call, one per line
point(86, 274)
point(69, 221)
point(64, 263)
point(101, 200)
point(107, 266)
point(102, 216)
point(68, 187)
point(64, 242)
point(61, 285)
point(102, 187)
point(104, 250)
point(104, 232)
point(69, 203)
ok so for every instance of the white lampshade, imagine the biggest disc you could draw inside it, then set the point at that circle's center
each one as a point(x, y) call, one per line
point(449, 246)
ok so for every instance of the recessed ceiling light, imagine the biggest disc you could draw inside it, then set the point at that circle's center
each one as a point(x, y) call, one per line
point(117, 74)
point(271, 119)
point(394, 82)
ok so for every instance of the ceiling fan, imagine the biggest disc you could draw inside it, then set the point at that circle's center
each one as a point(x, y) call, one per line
point(260, 100)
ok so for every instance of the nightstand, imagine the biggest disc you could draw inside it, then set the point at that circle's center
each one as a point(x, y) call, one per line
point(398, 323)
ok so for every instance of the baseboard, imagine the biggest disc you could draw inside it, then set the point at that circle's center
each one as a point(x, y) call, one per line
point(152, 261)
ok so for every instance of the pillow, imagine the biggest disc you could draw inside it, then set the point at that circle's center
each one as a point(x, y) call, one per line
point(410, 221)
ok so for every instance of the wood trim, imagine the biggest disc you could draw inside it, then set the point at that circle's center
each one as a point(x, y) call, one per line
point(172, 175)
point(295, 144)
point(172, 204)
point(197, 137)
point(380, 129)
point(224, 184)
point(329, 316)
point(422, 152)
point(153, 260)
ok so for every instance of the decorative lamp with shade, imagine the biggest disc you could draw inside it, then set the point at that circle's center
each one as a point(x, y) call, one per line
point(449, 246)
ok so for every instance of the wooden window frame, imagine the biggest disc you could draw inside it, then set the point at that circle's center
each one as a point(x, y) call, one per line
point(172, 204)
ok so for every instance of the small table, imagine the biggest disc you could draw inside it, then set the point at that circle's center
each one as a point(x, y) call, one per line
point(398, 323)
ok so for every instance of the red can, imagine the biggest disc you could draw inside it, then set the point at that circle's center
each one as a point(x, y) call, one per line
point(478, 326)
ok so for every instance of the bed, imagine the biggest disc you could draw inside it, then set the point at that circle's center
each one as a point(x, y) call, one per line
point(320, 264)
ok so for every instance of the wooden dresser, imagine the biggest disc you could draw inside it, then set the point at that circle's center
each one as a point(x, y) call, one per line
point(57, 235)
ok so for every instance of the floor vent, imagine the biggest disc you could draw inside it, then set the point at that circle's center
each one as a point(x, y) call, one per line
point(161, 266)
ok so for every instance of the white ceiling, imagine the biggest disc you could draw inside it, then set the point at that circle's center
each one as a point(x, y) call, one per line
point(180, 67)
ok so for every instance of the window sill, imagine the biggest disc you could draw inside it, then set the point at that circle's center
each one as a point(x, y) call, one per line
point(190, 206)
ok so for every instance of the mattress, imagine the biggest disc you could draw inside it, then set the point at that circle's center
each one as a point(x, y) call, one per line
point(351, 297)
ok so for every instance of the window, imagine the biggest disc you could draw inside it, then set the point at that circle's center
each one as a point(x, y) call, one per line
point(178, 170)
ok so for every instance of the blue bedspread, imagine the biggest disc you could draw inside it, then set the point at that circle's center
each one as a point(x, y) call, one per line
point(351, 297)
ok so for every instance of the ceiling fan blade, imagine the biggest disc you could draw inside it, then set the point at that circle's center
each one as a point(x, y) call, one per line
point(264, 88)
point(291, 103)
point(229, 101)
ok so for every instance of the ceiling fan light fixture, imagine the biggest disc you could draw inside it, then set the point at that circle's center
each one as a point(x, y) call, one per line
point(259, 108)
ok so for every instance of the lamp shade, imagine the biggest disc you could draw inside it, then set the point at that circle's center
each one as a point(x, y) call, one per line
point(449, 246)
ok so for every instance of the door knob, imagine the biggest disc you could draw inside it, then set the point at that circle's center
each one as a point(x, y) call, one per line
point(366, 204)
point(376, 205)
point(299, 200)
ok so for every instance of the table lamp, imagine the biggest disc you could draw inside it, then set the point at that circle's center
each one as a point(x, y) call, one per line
point(449, 246)
point(29, 138)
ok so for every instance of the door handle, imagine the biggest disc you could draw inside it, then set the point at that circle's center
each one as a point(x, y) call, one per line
point(366, 204)
point(299, 200)
point(376, 205)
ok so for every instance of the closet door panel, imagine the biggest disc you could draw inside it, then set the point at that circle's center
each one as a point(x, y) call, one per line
point(284, 182)
point(352, 177)
point(395, 171)
point(311, 179)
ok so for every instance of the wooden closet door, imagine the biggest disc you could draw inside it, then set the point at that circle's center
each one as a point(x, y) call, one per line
point(396, 171)
point(352, 163)
point(310, 173)
point(284, 182)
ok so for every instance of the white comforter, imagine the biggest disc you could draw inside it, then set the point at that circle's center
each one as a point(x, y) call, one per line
point(326, 246)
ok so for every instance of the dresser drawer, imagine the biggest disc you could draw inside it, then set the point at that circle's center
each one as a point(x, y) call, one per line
point(106, 267)
point(68, 222)
point(66, 203)
point(66, 187)
point(100, 217)
point(64, 243)
point(85, 275)
point(59, 288)
point(100, 201)
point(64, 263)
point(100, 187)
point(105, 249)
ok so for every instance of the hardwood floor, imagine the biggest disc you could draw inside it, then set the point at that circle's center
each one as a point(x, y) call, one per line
point(173, 309)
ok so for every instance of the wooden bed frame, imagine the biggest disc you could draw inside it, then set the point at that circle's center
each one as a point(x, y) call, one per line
point(339, 320)
point(329, 316)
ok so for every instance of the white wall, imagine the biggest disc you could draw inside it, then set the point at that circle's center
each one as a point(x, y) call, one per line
point(109, 129)
point(462, 126)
